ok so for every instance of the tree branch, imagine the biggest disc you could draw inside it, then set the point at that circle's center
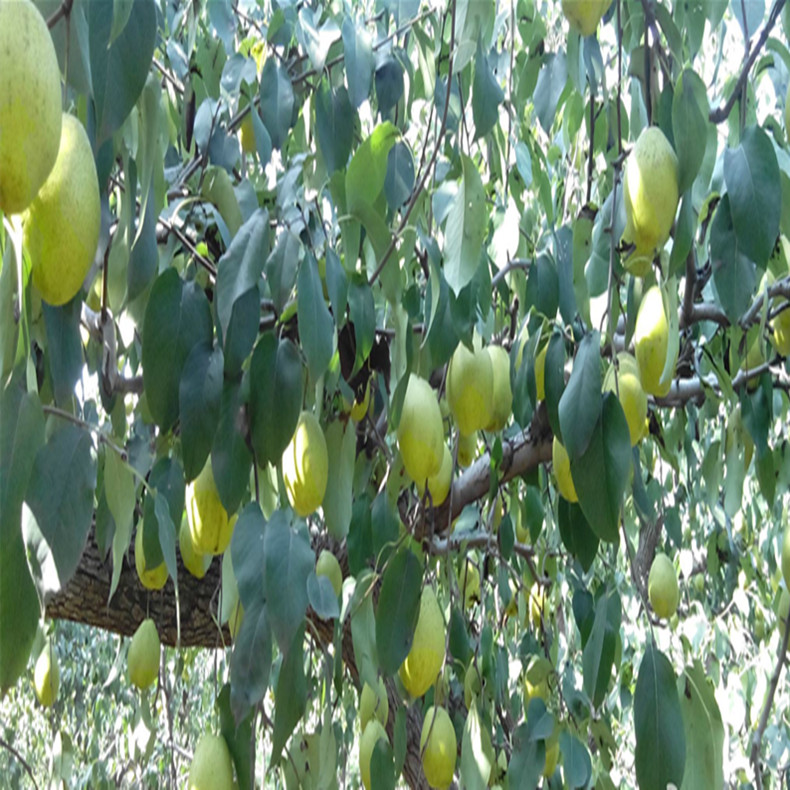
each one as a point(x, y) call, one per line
point(6, 745)
point(723, 112)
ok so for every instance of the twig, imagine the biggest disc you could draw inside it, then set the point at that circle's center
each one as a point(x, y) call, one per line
point(182, 237)
point(418, 191)
point(754, 757)
point(64, 10)
point(516, 263)
point(6, 745)
point(723, 112)
point(102, 437)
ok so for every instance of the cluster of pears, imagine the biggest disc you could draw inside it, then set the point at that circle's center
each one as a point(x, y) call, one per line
point(479, 397)
point(650, 189)
point(47, 169)
point(638, 376)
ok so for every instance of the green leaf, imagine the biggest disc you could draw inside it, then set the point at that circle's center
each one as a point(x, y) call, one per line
point(363, 315)
point(389, 84)
point(167, 536)
point(336, 285)
point(177, 318)
point(358, 60)
point(118, 71)
point(658, 724)
point(600, 473)
point(399, 183)
point(703, 728)
point(239, 739)
point(363, 630)
point(465, 228)
point(21, 436)
point(199, 396)
point(689, 128)
point(321, 597)
point(58, 507)
point(276, 382)
point(733, 273)
point(397, 610)
point(277, 101)
point(316, 327)
point(251, 661)
point(247, 555)
point(334, 125)
point(576, 763)
point(288, 561)
point(290, 697)
point(281, 268)
point(360, 537)
point(230, 457)
point(527, 759)
point(554, 380)
point(576, 533)
point(238, 300)
point(487, 95)
point(64, 347)
point(382, 770)
point(143, 257)
point(166, 480)
point(119, 489)
point(543, 287)
point(580, 404)
point(477, 753)
point(751, 174)
point(599, 650)
point(367, 170)
point(551, 84)
point(341, 445)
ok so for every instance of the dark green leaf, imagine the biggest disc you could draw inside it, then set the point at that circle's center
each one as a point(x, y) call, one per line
point(167, 480)
point(487, 95)
point(334, 125)
point(554, 380)
point(277, 101)
point(551, 83)
point(397, 610)
point(576, 533)
point(251, 661)
point(399, 182)
point(580, 404)
point(362, 311)
point(658, 723)
point(230, 457)
point(688, 128)
point(598, 656)
point(389, 84)
point(238, 739)
point(576, 763)
point(59, 507)
point(247, 555)
point(751, 174)
point(64, 347)
point(322, 598)
point(276, 382)
point(316, 328)
point(143, 257)
point(543, 289)
point(199, 396)
point(177, 318)
point(290, 696)
point(358, 61)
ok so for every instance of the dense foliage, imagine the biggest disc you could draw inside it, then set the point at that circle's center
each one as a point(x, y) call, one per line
point(305, 207)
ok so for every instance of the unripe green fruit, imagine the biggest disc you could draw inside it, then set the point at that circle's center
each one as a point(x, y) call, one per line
point(327, 565)
point(439, 484)
point(651, 341)
point(469, 582)
point(470, 388)
point(662, 586)
point(46, 677)
point(439, 748)
point(421, 666)
point(632, 397)
point(467, 447)
point(194, 561)
point(473, 684)
point(367, 743)
point(502, 394)
point(306, 466)
point(30, 105)
point(61, 225)
point(561, 464)
point(142, 660)
point(212, 767)
point(373, 703)
point(420, 431)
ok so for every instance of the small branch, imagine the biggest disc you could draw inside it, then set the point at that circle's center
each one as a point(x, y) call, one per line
point(64, 415)
point(754, 757)
point(721, 113)
point(64, 10)
point(6, 745)
point(516, 263)
point(181, 236)
point(684, 390)
point(421, 185)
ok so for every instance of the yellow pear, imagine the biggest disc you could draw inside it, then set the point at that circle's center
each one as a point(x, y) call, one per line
point(373, 703)
point(61, 225)
point(212, 767)
point(651, 343)
point(502, 394)
point(359, 408)
point(439, 484)
point(469, 582)
point(561, 464)
point(46, 676)
point(371, 735)
point(467, 448)
point(420, 431)
point(151, 578)
point(142, 661)
point(30, 105)
point(247, 135)
point(470, 388)
point(650, 189)
point(780, 333)
point(439, 748)
point(306, 466)
point(662, 586)
point(327, 565)
point(540, 373)
point(584, 15)
point(209, 525)
point(426, 656)
point(552, 755)
point(194, 561)
point(632, 397)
